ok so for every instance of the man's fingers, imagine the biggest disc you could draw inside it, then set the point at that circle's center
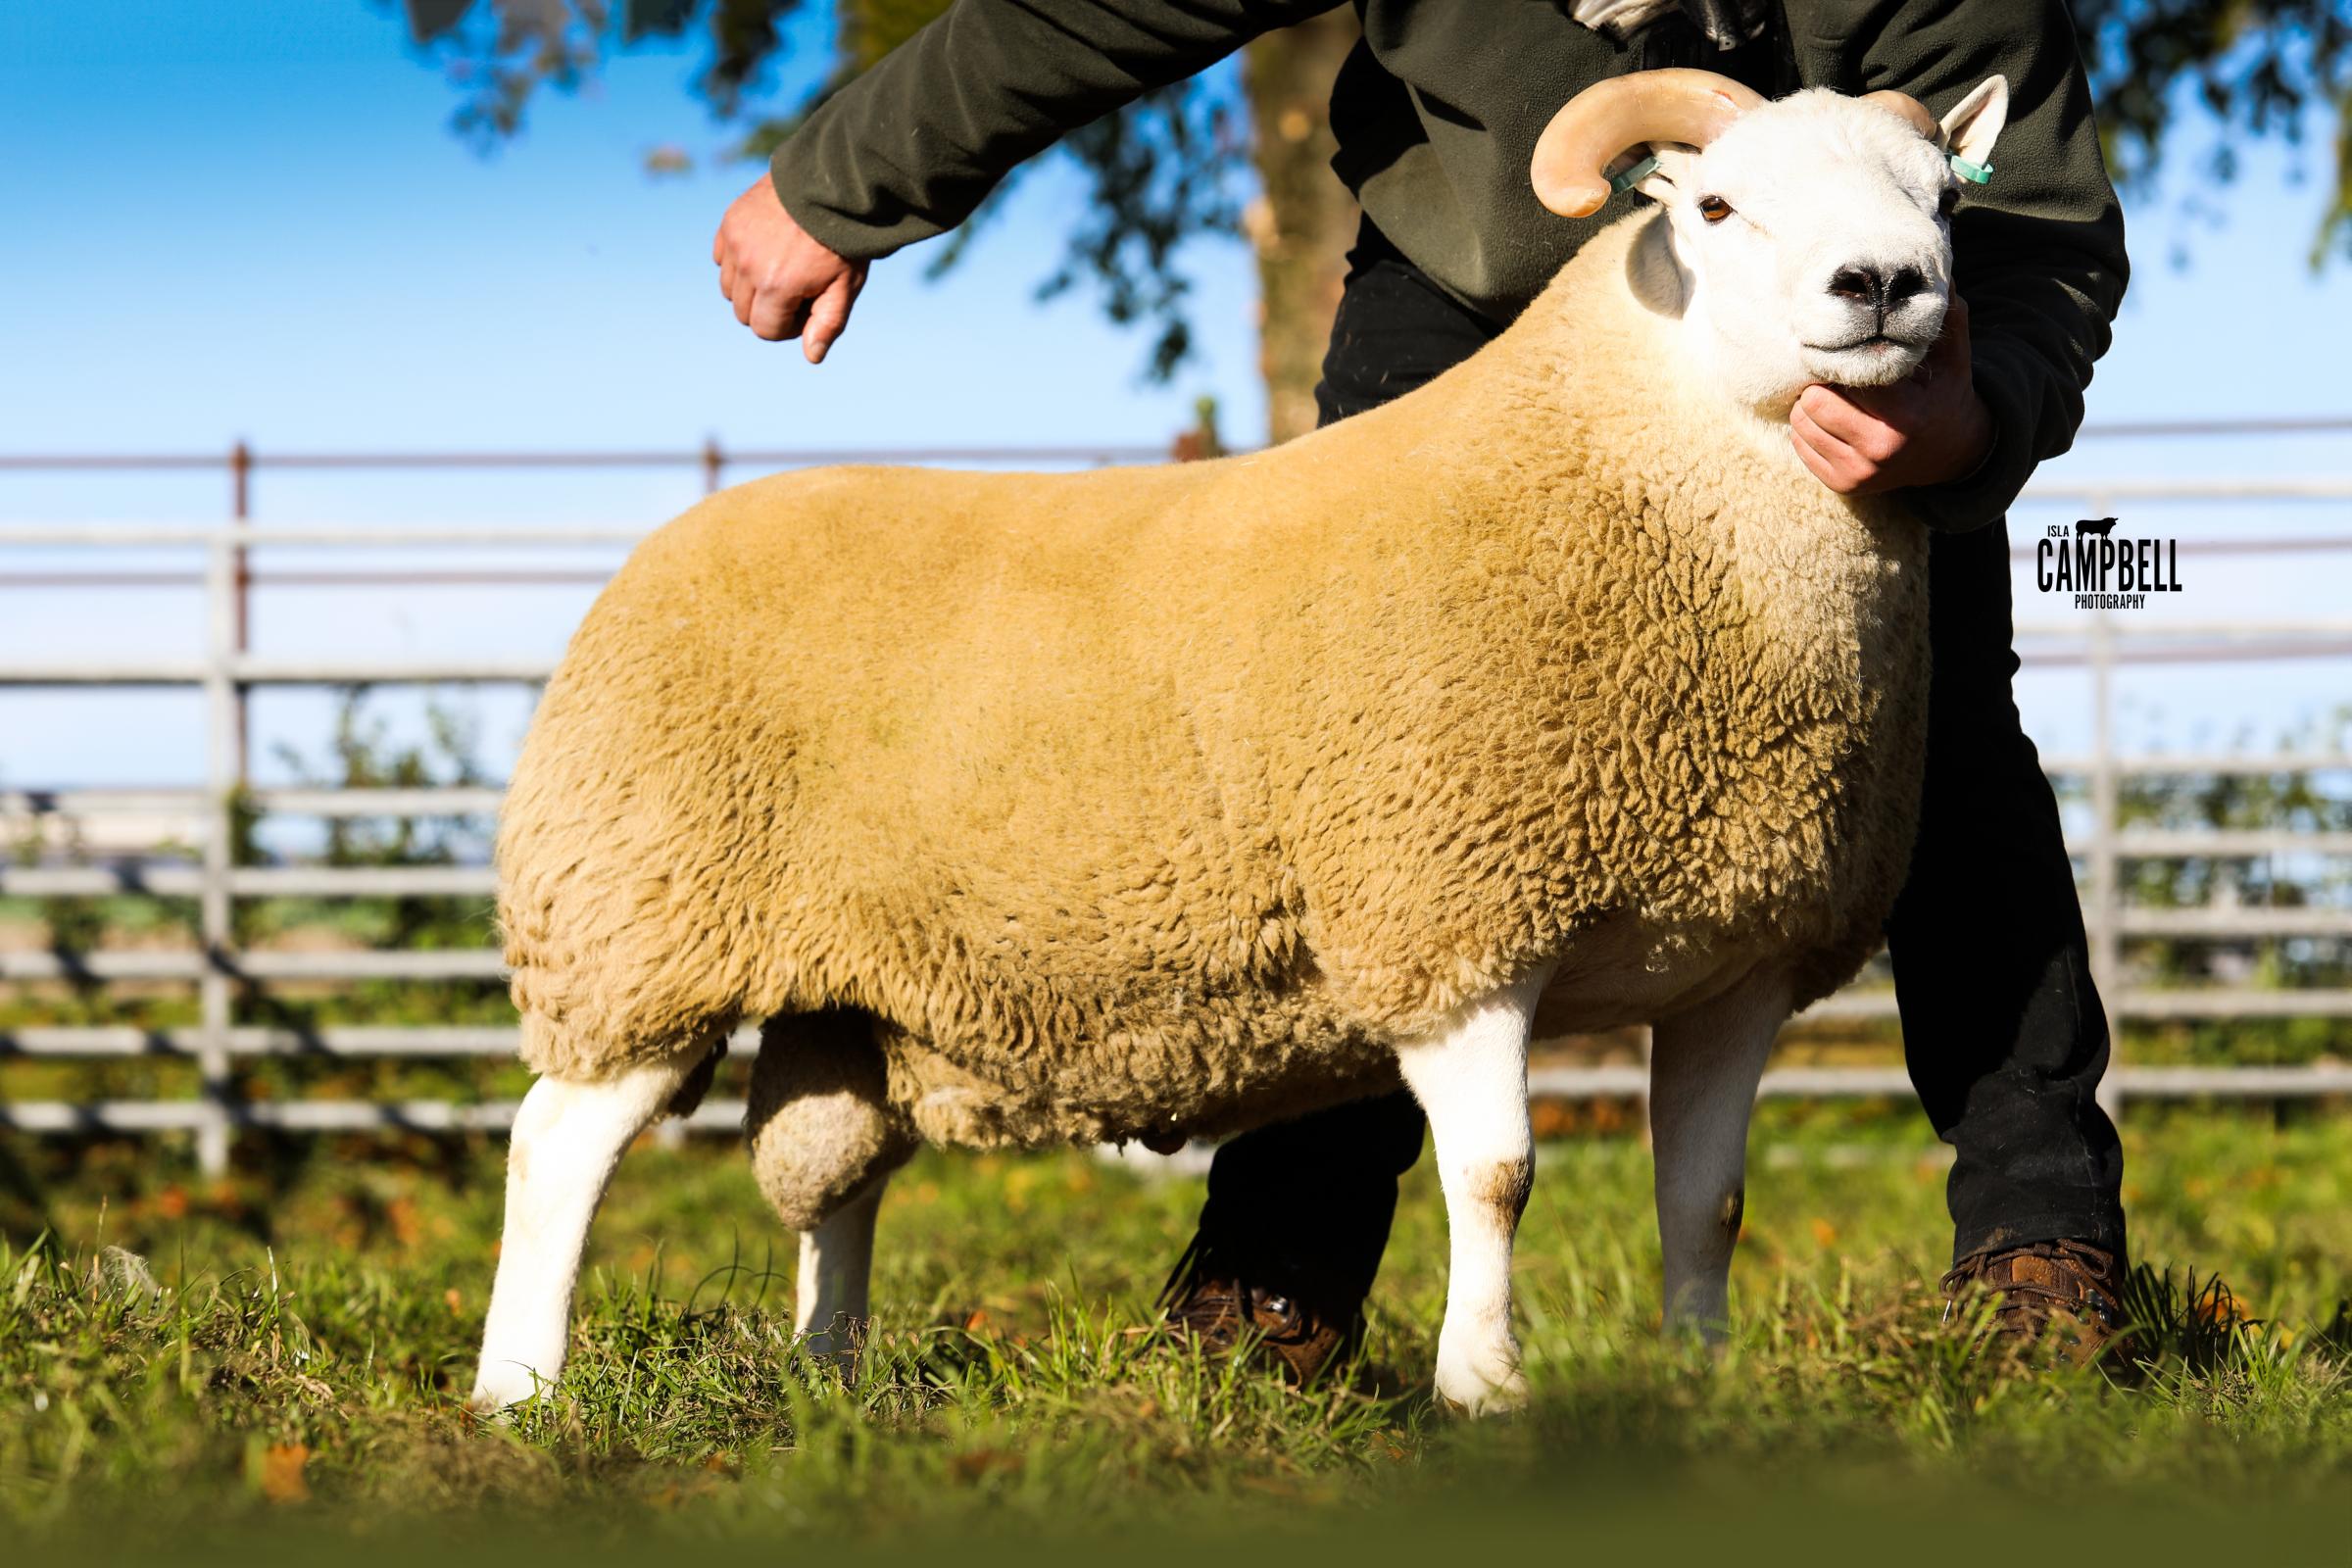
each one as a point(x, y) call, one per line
point(743, 296)
point(1830, 412)
point(726, 280)
point(1819, 466)
point(1808, 421)
point(1851, 424)
point(829, 317)
point(1830, 460)
point(776, 315)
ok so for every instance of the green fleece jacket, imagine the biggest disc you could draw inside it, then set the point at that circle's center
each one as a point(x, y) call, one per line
point(1437, 114)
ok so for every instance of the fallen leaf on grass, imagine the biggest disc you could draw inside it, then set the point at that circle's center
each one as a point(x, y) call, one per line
point(981, 1463)
point(281, 1477)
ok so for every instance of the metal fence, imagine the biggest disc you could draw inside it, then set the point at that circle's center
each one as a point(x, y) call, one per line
point(226, 672)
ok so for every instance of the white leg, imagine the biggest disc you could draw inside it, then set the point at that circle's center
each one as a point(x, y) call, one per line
point(1470, 1075)
point(1703, 1068)
point(567, 1138)
point(836, 1264)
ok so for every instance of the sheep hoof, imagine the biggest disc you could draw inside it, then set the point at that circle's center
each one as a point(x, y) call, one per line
point(841, 1336)
point(836, 1350)
point(501, 1387)
point(1485, 1382)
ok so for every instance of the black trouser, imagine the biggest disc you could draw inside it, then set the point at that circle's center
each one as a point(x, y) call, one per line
point(2003, 1030)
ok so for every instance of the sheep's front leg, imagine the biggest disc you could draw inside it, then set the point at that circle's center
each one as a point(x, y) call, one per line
point(1470, 1075)
point(836, 1264)
point(1704, 1065)
point(568, 1136)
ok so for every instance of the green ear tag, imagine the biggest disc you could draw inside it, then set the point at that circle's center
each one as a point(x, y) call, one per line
point(1621, 184)
point(1973, 173)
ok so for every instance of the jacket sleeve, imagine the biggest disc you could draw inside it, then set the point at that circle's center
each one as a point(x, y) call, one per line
point(908, 149)
point(2039, 253)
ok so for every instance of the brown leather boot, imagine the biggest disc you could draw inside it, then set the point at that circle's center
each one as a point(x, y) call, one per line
point(1302, 1330)
point(2062, 1296)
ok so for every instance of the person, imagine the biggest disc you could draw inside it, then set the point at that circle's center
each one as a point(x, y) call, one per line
point(1436, 113)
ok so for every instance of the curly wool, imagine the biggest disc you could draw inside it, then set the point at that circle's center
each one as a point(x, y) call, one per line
point(1142, 803)
point(819, 1121)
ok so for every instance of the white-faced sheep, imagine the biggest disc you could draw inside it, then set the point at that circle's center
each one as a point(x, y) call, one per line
point(1163, 802)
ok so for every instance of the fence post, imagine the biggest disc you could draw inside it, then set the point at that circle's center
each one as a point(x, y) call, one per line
point(714, 460)
point(2106, 895)
point(240, 510)
point(222, 775)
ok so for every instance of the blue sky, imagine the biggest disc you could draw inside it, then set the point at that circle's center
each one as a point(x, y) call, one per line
point(223, 220)
point(255, 221)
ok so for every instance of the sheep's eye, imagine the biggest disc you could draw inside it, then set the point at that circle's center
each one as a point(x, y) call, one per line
point(1714, 208)
point(1948, 200)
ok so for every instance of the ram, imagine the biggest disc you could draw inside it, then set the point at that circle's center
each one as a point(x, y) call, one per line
point(1165, 803)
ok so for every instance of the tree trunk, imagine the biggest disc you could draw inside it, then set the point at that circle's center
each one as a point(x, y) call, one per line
point(1304, 219)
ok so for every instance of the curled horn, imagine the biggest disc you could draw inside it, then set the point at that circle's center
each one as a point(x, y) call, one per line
point(1675, 105)
point(1908, 108)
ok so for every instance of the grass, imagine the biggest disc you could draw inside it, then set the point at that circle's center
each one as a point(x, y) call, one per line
point(288, 1384)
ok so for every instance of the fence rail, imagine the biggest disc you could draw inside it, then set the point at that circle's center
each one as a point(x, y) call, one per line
point(227, 670)
point(716, 1115)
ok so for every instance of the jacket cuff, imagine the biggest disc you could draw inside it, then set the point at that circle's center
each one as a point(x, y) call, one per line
point(799, 190)
point(1983, 495)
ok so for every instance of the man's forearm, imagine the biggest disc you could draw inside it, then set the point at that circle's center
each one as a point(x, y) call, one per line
point(911, 147)
point(2036, 405)
point(2038, 252)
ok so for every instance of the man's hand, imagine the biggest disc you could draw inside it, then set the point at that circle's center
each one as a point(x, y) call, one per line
point(783, 282)
point(1927, 428)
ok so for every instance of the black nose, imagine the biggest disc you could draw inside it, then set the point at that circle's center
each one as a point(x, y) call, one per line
point(1867, 285)
point(1860, 284)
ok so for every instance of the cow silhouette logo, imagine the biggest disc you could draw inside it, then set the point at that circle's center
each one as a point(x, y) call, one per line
point(2102, 571)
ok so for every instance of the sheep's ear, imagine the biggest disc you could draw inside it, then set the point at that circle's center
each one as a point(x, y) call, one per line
point(1969, 130)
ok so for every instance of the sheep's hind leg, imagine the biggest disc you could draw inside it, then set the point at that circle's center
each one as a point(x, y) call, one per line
point(568, 1136)
point(836, 1264)
point(1704, 1069)
point(1470, 1075)
point(823, 1142)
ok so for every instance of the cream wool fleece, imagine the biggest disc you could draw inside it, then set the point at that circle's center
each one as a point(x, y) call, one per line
point(1140, 802)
